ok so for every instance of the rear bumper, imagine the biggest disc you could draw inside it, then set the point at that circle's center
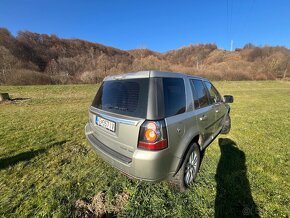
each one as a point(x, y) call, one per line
point(144, 165)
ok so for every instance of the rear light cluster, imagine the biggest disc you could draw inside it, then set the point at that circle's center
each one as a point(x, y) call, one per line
point(153, 135)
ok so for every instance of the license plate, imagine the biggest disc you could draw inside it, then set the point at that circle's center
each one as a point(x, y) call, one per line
point(106, 123)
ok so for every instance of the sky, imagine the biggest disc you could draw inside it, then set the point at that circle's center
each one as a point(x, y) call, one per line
point(159, 25)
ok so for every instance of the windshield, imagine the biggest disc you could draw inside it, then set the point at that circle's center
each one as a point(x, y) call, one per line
point(126, 97)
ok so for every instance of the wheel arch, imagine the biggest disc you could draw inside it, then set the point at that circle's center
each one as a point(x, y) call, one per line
point(195, 139)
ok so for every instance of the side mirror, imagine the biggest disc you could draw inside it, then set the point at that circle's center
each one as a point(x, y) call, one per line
point(228, 98)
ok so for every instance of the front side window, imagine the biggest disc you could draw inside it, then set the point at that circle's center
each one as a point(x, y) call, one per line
point(126, 97)
point(213, 93)
point(200, 95)
point(174, 96)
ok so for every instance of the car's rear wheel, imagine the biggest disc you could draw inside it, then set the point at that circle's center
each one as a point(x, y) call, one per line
point(227, 125)
point(189, 169)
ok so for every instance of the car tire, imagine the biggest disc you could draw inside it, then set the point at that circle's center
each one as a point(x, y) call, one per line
point(227, 125)
point(188, 170)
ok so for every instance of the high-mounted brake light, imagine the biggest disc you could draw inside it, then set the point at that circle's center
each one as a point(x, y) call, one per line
point(153, 135)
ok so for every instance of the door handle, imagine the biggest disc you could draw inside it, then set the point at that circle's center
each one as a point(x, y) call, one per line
point(216, 111)
point(204, 117)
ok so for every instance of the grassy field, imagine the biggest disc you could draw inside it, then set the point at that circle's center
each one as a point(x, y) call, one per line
point(46, 164)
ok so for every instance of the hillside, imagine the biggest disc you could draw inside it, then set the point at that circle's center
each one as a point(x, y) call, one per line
point(32, 58)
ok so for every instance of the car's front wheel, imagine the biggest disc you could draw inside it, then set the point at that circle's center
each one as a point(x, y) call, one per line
point(189, 169)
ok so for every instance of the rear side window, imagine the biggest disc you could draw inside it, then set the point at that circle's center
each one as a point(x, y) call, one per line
point(194, 94)
point(213, 93)
point(174, 96)
point(199, 93)
point(126, 97)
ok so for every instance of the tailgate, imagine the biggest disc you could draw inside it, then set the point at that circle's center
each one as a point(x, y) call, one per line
point(118, 132)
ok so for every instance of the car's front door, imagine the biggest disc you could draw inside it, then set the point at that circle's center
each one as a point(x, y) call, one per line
point(218, 104)
point(205, 111)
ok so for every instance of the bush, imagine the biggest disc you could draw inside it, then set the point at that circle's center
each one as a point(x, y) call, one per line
point(27, 77)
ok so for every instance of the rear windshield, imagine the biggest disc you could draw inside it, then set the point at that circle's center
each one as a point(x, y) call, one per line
point(126, 97)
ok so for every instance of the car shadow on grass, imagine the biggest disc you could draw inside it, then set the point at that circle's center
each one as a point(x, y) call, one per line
point(25, 156)
point(233, 197)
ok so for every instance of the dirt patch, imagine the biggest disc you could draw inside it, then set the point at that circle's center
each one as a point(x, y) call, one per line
point(121, 201)
point(99, 207)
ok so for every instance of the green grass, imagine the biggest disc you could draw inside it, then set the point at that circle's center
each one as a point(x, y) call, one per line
point(46, 164)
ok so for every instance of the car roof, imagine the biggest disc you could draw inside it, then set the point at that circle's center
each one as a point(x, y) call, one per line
point(151, 73)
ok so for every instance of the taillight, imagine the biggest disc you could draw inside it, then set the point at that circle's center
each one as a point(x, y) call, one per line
point(153, 135)
point(150, 135)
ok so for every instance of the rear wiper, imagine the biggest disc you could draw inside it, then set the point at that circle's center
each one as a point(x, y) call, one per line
point(116, 108)
point(121, 108)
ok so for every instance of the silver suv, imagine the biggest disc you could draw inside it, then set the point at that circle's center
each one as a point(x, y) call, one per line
point(156, 125)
